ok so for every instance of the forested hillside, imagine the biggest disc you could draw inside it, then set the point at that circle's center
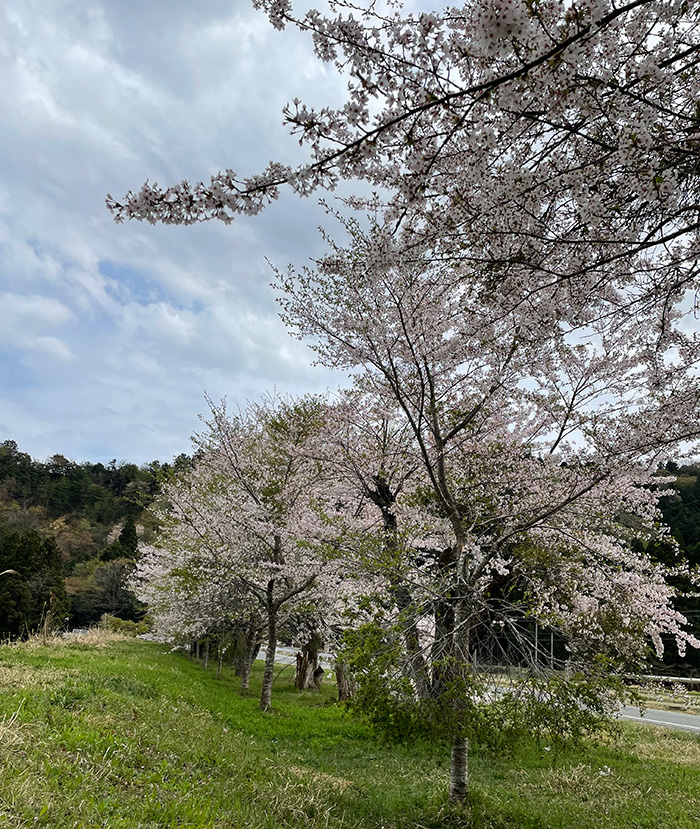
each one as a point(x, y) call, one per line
point(682, 511)
point(70, 531)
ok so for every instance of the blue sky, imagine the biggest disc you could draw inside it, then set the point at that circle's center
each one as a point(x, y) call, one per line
point(111, 334)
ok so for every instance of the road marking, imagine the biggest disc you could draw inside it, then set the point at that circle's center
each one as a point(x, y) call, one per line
point(665, 723)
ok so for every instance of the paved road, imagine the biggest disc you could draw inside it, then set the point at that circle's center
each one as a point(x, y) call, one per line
point(667, 719)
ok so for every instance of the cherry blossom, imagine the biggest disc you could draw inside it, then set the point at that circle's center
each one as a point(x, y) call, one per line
point(515, 303)
point(550, 147)
point(242, 538)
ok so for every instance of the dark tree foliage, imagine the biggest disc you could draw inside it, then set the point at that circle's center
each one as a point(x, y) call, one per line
point(104, 591)
point(78, 506)
point(34, 494)
point(681, 512)
point(37, 590)
point(126, 546)
point(102, 494)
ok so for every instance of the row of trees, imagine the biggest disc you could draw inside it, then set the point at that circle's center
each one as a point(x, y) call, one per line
point(33, 491)
point(515, 304)
point(244, 548)
point(60, 486)
point(320, 519)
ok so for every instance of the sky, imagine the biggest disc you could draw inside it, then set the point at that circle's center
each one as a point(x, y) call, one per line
point(110, 335)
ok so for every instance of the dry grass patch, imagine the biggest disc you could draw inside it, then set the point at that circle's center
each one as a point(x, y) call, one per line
point(294, 801)
point(99, 637)
point(26, 677)
point(319, 778)
point(667, 747)
point(587, 782)
point(583, 782)
point(677, 698)
point(13, 734)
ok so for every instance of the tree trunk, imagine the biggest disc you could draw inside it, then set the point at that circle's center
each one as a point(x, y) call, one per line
point(384, 498)
point(219, 657)
point(443, 646)
point(346, 684)
point(407, 617)
point(459, 756)
point(459, 769)
point(252, 646)
point(266, 694)
point(307, 663)
point(206, 654)
point(239, 651)
point(245, 676)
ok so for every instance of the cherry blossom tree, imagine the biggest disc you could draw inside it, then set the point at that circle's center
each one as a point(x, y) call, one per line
point(191, 579)
point(537, 443)
point(368, 448)
point(242, 536)
point(521, 290)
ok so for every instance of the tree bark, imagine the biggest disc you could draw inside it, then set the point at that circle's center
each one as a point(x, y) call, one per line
point(245, 676)
point(238, 651)
point(443, 645)
point(459, 756)
point(307, 663)
point(266, 693)
point(206, 654)
point(459, 769)
point(384, 498)
point(407, 617)
point(346, 684)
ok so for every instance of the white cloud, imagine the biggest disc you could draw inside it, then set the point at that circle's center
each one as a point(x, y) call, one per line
point(110, 334)
point(29, 313)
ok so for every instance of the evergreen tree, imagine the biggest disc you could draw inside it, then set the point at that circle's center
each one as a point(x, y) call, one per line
point(38, 590)
point(128, 539)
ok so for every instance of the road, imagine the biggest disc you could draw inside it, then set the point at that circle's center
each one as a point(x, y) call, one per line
point(667, 719)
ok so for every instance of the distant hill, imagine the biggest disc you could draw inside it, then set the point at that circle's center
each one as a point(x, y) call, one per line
point(93, 515)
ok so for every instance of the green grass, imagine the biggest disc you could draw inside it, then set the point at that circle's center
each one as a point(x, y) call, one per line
point(128, 735)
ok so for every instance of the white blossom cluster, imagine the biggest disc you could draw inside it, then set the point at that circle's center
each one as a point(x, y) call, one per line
point(537, 441)
point(553, 143)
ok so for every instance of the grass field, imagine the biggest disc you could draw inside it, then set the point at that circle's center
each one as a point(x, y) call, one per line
point(128, 735)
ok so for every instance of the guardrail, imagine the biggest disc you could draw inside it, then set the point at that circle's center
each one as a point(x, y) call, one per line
point(678, 680)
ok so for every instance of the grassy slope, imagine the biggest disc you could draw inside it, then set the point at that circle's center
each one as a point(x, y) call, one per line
point(126, 735)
